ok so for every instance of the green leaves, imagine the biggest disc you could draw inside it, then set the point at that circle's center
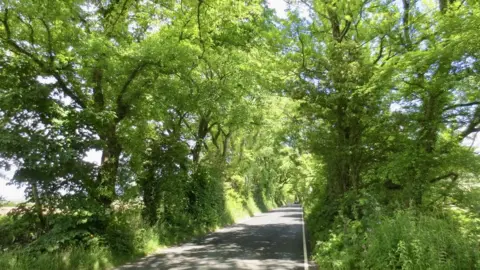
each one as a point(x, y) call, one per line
point(186, 101)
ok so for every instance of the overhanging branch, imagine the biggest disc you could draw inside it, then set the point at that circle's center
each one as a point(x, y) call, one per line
point(122, 108)
point(461, 105)
point(452, 175)
point(47, 68)
point(473, 126)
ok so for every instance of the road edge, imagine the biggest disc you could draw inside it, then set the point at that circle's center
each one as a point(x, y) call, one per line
point(305, 252)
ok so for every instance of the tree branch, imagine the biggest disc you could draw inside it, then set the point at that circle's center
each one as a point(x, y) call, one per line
point(48, 69)
point(345, 30)
point(124, 7)
point(461, 105)
point(215, 138)
point(200, 2)
point(302, 49)
point(473, 126)
point(406, 23)
point(187, 125)
point(50, 43)
point(380, 53)
point(98, 97)
point(30, 27)
point(122, 108)
point(414, 84)
point(452, 175)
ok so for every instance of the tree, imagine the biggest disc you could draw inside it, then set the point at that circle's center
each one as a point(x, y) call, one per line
point(96, 67)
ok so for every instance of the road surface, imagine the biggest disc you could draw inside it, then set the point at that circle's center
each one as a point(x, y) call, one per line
point(272, 240)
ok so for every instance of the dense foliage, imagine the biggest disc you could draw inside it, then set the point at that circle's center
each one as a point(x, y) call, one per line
point(204, 111)
point(174, 95)
point(389, 92)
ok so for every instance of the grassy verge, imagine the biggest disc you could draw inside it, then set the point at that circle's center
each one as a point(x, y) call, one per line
point(127, 239)
point(405, 239)
point(74, 258)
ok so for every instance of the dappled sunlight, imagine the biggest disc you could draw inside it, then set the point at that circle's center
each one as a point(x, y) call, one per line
point(230, 229)
point(269, 241)
point(136, 126)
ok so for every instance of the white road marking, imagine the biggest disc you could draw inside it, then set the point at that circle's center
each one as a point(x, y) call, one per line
point(305, 255)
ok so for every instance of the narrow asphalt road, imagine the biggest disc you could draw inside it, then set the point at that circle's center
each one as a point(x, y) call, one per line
point(272, 240)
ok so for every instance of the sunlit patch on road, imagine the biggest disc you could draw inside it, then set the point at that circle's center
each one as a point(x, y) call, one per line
point(269, 241)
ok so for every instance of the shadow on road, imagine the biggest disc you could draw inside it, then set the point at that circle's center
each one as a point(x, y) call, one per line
point(270, 241)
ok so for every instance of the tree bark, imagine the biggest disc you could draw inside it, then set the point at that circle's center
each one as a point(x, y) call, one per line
point(38, 205)
point(200, 137)
point(107, 177)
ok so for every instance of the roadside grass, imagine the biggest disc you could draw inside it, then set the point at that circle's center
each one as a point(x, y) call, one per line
point(74, 258)
point(127, 239)
point(444, 237)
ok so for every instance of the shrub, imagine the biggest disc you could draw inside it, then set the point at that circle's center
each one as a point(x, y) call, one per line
point(128, 235)
point(405, 240)
point(409, 241)
point(73, 258)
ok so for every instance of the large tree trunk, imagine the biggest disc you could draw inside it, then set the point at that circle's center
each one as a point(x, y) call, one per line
point(38, 205)
point(427, 140)
point(149, 188)
point(107, 177)
point(225, 144)
point(432, 113)
point(345, 163)
point(200, 138)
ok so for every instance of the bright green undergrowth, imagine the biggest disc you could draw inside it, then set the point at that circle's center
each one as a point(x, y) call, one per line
point(127, 237)
point(445, 237)
point(74, 258)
